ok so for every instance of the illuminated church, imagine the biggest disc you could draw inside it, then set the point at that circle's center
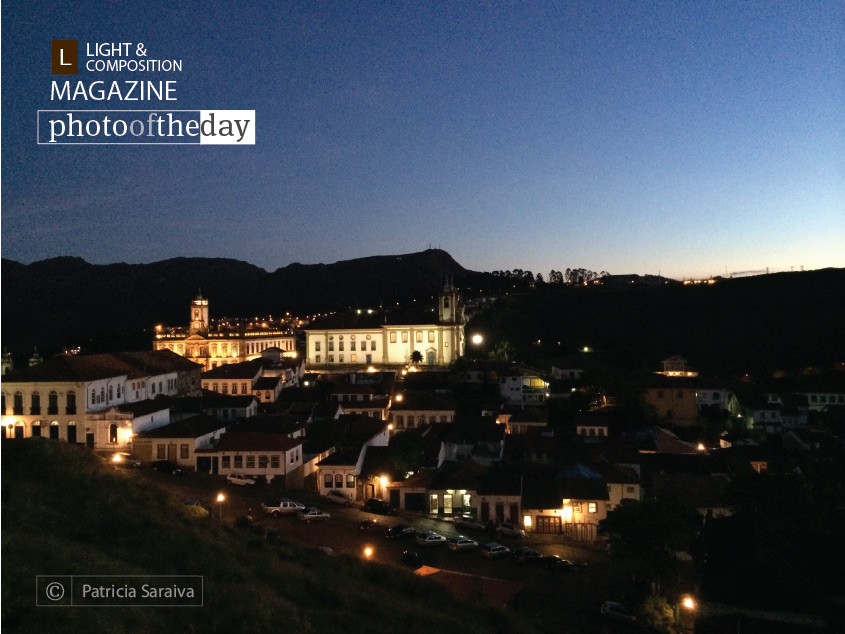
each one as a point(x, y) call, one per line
point(383, 339)
point(221, 345)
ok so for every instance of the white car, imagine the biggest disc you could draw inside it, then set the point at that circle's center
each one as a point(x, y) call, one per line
point(283, 506)
point(462, 543)
point(336, 497)
point(468, 521)
point(510, 530)
point(312, 514)
point(430, 538)
point(240, 479)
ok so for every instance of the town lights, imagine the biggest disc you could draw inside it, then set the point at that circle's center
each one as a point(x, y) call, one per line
point(368, 552)
point(688, 602)
point(399, 398)
point(383, 481)
point(477, 339)
point(220, 499)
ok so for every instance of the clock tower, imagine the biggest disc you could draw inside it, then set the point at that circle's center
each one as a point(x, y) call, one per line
point(199, 316)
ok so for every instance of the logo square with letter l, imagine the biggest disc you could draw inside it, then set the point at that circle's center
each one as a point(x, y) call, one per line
point(65, 57)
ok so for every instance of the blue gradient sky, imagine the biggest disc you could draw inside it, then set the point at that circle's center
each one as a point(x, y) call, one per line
point(687, 138)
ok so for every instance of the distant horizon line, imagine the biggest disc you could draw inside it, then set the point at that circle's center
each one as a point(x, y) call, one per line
point(724, 275)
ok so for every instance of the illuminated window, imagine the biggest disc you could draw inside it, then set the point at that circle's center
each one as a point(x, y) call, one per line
point(591, 507)
point(404, 337)
point(418, 337)
point(112, 433)
point(392, 337)
point(328, 481)
point(352, 357)
point(350, 481)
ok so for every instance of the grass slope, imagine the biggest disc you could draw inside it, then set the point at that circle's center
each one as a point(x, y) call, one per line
point(67, 512)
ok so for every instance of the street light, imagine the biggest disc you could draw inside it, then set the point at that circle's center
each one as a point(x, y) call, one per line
point(368, 552)
point(220, 499)
point(477, 339)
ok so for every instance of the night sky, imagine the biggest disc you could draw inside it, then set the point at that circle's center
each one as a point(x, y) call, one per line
point(686, 138)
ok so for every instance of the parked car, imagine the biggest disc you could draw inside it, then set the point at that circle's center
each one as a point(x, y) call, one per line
point(380, 507)
point(468, 521)
point(240, 479)
point(336, 497)
point(282, 506)
point(312, 514)
point(526, 555)
point(124, 460)
point(372, 526)
point(461, 543)
point(430, 538)
point(617, 611)
point(555, 563)
point(510, 530)
point(399, 531)
point(495, 550)
point(165, 466)
point(411, 558)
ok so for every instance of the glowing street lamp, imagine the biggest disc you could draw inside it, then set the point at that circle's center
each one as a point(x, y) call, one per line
point(220, 499)
point(688, 602)
point(477, 339)
point(368, 552)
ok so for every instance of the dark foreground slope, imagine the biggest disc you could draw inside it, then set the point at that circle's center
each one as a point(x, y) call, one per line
point(65, 512)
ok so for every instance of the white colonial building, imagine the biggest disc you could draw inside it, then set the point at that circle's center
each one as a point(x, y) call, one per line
point(88, 399)
point(213, 347)
point(376, 339)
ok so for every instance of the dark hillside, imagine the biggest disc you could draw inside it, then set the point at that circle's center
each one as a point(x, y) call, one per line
point(66, 512)
point(758, 324)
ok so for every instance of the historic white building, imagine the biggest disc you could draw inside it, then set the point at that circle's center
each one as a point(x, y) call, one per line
point(389, 339)
point(87, 399)
point(215, 347)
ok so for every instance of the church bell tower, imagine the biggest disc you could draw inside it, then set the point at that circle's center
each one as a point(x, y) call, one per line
point(450, 310)
point(199, 316)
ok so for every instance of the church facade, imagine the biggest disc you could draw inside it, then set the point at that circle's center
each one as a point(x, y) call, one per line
point(386, 339)
point(213, 347)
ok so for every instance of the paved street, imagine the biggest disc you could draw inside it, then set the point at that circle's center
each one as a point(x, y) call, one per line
point(562, 598)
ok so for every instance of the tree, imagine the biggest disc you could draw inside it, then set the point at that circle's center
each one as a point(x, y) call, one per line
point(539, 278)
point(405, 450)
point(650, 534)
point(416, 356)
